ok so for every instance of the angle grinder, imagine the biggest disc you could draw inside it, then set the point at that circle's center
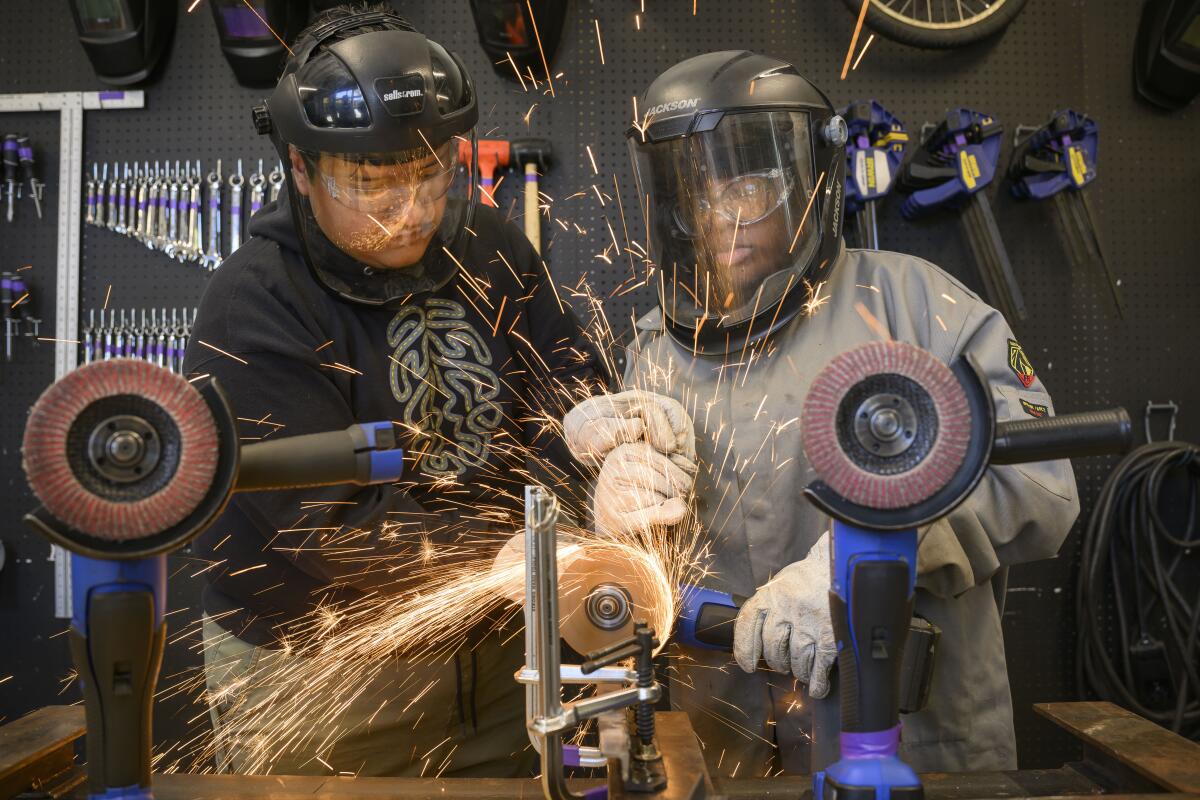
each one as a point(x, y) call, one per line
point(130, 462)
point(899, 439)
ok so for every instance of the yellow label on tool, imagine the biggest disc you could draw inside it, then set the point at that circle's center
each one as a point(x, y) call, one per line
point(1078, 164)
point(968, 168)
point(870, 167)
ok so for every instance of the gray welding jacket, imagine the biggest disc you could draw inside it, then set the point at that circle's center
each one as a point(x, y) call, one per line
point(746, 408)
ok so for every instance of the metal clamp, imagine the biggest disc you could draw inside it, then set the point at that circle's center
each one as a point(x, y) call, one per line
point(546, 716)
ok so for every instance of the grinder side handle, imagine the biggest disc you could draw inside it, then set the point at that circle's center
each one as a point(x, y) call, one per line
point(1090, 433)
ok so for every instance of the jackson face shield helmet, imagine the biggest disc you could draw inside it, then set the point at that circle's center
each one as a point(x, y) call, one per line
point(374, 118)
point(739, 163)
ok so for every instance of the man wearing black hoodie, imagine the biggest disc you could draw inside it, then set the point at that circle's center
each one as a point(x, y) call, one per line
point(371, 291)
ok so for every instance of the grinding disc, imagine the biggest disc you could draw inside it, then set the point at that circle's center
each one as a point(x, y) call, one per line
point(64, 449)
point(508, 568)
point(605, 574)
point(923, 433)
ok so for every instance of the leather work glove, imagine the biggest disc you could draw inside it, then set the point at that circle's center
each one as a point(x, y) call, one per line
point(598, 424)
point(787, 623)
point(639, 487)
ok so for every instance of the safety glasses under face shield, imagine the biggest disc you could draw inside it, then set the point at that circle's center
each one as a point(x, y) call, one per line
point(385, 183)
point(731, 222)
point(743, 201)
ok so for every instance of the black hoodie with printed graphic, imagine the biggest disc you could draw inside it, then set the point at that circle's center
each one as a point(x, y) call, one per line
point(471, 373)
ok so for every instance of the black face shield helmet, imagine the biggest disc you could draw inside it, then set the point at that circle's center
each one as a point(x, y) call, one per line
point(739, 163)
point(376, 117)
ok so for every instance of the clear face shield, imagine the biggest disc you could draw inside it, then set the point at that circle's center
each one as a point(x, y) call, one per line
point(726, 211)
point(376, 227)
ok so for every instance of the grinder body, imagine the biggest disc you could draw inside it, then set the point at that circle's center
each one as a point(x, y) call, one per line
point(116, 641)
point(871, 599)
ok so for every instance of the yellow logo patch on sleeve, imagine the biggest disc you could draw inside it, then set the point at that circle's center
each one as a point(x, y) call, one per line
point(1018, 362)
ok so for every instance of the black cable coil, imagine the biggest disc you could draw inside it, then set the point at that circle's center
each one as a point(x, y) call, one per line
point(1140, 568)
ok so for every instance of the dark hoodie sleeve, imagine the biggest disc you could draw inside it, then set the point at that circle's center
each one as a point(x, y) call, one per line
point(272, 373)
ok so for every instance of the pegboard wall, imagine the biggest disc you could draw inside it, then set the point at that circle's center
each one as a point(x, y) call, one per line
point(1058, 53)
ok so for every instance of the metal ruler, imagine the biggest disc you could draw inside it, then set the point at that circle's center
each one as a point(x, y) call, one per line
point(70, 106)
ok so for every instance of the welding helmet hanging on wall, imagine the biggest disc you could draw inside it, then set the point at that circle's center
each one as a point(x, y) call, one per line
point(124, 39)
point(374, 111)
point(248, 31)
point(523, 30)
point(739, 162)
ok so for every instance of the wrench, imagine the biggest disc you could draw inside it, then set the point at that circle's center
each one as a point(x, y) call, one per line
point(111, 217)
point(257, 190)
point(90, 217)
point(172, 243)
point(122, 199)
point(212, 257)
point(235, 208)
point(275, 180)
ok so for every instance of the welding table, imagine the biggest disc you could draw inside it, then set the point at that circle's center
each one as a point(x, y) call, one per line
point(1125, 757)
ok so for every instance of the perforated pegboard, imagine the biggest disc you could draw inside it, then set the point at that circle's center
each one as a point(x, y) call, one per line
point(1058, 53)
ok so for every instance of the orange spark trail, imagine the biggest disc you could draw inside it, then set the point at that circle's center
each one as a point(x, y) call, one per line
point(862, 15)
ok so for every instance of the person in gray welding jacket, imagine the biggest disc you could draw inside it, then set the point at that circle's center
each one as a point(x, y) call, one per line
point(740, 166)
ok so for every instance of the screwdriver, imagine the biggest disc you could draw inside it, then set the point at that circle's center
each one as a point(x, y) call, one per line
point(25, 153)
point(6, 300)
point(10, 171)
point(21, 300)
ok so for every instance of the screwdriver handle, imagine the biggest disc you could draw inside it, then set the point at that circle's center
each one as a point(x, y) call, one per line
point(25, 157)
point(11, 158)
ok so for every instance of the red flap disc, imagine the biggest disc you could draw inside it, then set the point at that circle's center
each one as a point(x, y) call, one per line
point(886, 425)
point(120, 449)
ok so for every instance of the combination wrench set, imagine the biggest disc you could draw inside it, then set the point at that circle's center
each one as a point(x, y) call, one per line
point(163, 205)
point(146, 334)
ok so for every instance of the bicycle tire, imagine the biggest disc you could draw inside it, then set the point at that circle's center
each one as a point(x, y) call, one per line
point(884, 18)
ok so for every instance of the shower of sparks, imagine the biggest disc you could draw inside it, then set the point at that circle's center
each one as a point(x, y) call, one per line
point(431, 149)
point(863, 52)
point(436, 590)
point(107, 295)
point(862, 15)
point(541, 51)
point(592, 158)
point(807, 208)
point(267, 25)
point(872, 322)
point(193, 6)
point(222, 352)
point(599, 41)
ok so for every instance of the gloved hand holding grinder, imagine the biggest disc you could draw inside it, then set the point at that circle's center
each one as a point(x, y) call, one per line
point(645, 447)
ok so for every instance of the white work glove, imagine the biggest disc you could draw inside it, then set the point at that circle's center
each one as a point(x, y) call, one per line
point(787, 623)
point(639, 487)
point(598, 424)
